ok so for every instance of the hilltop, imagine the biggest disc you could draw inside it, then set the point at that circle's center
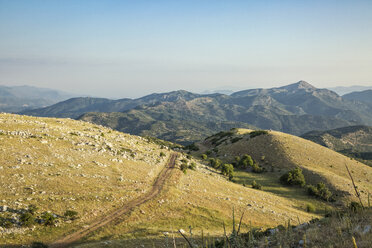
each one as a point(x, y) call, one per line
point(296, 109)
point(61, 165)
point(354, 141)
point(278, 152)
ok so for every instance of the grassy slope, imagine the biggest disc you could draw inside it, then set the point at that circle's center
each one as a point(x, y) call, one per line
point(283, 151)
point(41, 167)
point(48, 152)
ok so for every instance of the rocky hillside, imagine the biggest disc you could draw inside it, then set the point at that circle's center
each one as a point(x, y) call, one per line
point(59, 175)
point(354, 141)
point(295, 109)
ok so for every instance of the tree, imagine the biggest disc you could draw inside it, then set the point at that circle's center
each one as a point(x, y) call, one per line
point(293, 177)
point(227, 170)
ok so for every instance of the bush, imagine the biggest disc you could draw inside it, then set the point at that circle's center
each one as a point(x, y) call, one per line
point(162, 154)
point(293, 177)
point(227, 170)
point(320, 191)
point(257, 169)
point(192, 166)
point(27, 219)
point(310, 208)
point(256, 185)
point(48, 218)
point(257, 133)
point(184, 167)
point(204, 156)
point(71, 214)
point(192, 147)
point(32, 209)
point(38, 245)
point(355, 207)
point(215, 163)
point(236, 139)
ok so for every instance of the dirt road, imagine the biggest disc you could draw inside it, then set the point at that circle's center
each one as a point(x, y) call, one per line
point(155, 190)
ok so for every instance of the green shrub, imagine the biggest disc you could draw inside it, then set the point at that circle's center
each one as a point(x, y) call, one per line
point(236, 139)
point(27, 219)
point(215, 163)
point(257, 133)
point(320, 191)
point(192, 147)
point(32, 209)
point(204, 156)
point(355, 207)
point(257, 169)
point(162, 154)
point(293, 177)
point(192, 166)
point(71, 214)
point(310, 208)
point(256, 185)
point(227, 170)
point(48, 218)
point(184, 167)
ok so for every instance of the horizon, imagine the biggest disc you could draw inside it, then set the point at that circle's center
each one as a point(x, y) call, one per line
point(119, 49)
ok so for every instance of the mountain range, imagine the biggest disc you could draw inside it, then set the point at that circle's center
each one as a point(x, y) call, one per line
point(185, 117)
point(18, 98)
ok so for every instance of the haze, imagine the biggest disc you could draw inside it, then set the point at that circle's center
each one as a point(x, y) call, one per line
point(132, 48)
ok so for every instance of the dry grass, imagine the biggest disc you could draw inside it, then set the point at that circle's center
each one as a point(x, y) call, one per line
point(59, 164)
point(279, 152)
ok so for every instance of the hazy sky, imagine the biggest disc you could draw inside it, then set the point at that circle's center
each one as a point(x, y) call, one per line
point(131, 48)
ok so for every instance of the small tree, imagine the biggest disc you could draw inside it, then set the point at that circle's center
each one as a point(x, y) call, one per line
point(227, 170)
point(293, 177)
point(204, 156)
point(256, 185)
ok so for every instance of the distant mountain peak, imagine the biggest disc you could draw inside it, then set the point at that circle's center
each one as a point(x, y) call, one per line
point(299, 85)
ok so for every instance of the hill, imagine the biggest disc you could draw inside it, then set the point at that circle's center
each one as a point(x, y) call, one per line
point(279, 152)
point(343, 90)
point(55, 170)
point(18, 98)
point(354, 141)
point(297, 108)
point(361, 96)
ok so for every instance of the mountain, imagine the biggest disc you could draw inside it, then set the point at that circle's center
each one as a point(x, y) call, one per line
point(69, 180)
point(18, 98)
point(354, 141)
point(361, 96)
point(187, 117)
point(342, 90)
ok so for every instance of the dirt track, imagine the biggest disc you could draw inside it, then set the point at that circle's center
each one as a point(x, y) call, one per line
point(155, 190)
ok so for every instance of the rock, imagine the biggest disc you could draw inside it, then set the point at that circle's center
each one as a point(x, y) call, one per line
point(3, 208)
point(301, 242)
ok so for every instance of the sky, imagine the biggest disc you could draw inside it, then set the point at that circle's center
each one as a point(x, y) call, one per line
point(132, 48)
